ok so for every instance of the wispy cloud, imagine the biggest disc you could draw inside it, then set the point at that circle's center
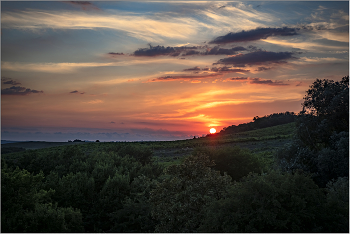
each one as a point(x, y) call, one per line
point(237, 79)
point(137, 26)
point(213, 73)
point(158, 50)
point(9, 81)
point(77, 92)
point(254, 35)
point(266, 82)
point(257, 58)
point(184, 77)
point(263, 69)
point(18, 90)
point(50, 67)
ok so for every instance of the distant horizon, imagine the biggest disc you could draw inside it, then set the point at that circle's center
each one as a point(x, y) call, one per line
point(161, 71)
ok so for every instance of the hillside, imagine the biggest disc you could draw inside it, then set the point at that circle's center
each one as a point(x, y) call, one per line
point(264, 140)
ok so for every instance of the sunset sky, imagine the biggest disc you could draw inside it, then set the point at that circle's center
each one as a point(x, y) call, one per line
point(161, 70)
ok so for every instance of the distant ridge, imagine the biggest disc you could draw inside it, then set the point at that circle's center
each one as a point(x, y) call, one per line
point(7, 142)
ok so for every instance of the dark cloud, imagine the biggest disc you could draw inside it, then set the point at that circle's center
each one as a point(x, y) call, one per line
point(9, 81)
point(112, 122)
point(184, 77)
point(218, 51)
point(191, 52)
point(193, 69)
point(114, 54)
point(266, 82)
point(238, 78)
point(256, 58)
point(227, 69)
point(76, 91)
point(17, 90)
point(263, 68)
point(183, 51)
point(85, 5)
point(254, 34)
point(161, 50)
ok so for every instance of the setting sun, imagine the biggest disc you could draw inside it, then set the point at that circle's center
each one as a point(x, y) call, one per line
point(212, 130)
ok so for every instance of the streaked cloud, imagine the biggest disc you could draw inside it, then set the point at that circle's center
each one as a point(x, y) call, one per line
point(266, 82)
point(137, 26)
point(6, 81)
point(254, 34)
point(257, 58)
point(77, 92)
point(18, 90)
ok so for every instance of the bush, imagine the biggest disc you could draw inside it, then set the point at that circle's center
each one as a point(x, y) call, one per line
point(27, 208)
point(235, 161)
point(273, 202)
point(179, 200)
point(337, 206)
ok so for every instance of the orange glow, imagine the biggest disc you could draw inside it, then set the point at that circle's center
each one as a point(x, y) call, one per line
point(212, 130)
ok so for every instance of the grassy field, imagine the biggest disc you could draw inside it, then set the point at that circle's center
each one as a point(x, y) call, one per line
point(261, 141)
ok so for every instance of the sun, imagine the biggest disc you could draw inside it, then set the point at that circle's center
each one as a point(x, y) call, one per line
point(212, 130)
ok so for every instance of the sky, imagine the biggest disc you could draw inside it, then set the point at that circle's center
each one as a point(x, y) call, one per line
point(161, 70)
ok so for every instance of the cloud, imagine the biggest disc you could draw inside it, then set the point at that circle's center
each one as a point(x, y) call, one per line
point(254, 34)
point(214, 72)
point(263, 68)
point(115, 54)
point(266, 82)
point(192, 69)
point(161, 50)
point(227, 69)
point(137, 26)
point(85, 5)
point(256, 58)
point(76, 91)
point(50, 67)
point(238, 78)
point(9, 81)
point(18, 90)
point(183, 77)
point(218, 51)
point(183, 51)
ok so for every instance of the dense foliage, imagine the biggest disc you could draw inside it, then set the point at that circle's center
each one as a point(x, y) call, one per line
point(92, 190)
point(179, 200)
point(122, 187)
point(234, 161)
point(321, 145)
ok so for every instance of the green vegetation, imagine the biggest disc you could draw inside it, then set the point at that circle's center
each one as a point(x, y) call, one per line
point(291, 177)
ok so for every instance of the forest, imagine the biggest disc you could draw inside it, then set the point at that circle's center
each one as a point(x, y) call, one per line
point(284, 172)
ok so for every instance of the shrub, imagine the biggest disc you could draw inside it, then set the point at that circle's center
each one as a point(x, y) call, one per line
point(179, 200)
point(235, 161)
point(273, 202)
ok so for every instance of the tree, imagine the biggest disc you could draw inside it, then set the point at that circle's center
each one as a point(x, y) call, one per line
point(179, 200)
point(273, 202)
point(325, 110)
point(25, 207)
point(321, 142)
point(235, 161)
